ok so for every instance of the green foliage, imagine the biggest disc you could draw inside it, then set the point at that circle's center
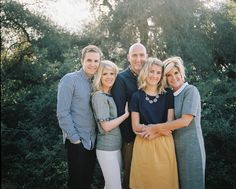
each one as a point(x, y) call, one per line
point(33, 155)
point(39, 54)
point(219, 103)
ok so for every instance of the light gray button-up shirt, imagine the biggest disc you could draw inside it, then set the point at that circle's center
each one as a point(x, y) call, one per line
point(74, 109)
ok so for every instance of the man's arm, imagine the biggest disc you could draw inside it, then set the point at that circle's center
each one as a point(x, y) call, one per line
point(64, 100)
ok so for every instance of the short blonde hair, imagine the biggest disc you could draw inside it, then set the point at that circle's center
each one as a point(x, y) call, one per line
point(97, 84)
point(142, 83)
point(173, 62)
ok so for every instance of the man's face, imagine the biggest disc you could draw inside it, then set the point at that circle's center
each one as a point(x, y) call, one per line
point(90, 63)
point(137, 57)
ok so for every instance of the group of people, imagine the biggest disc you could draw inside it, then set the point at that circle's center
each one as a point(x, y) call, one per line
point(144, 119)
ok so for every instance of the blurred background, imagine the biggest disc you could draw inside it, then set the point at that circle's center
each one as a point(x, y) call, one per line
point(41, 41)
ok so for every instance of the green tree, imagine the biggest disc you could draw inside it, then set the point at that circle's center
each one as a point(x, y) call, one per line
point(35, 54)
point(205, 38)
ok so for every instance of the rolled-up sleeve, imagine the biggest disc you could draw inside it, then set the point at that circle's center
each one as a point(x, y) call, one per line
point(101, 107)
point(64, 101)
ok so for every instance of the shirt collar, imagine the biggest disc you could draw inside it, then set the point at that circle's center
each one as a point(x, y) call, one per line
point(85, 76)
point(136, 75)
point(176, 93)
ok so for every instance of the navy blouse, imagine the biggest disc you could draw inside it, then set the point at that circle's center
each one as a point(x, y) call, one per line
point(152, 113)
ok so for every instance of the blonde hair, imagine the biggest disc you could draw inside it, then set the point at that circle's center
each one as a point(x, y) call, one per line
point(173, 62)
point(142, 83)
point(97, 84)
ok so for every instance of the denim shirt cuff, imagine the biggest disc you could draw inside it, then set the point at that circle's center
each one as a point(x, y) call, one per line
point(74, 138)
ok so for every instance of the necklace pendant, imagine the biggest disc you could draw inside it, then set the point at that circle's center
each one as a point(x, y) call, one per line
point(151, 101)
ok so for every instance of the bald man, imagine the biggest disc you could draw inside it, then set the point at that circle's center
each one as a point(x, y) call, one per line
point(124, 87)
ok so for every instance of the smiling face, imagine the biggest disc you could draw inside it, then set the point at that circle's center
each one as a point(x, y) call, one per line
point(90, 63)
point(154, 75)
point(108, 78)
point(137, 57)
point(174, 78)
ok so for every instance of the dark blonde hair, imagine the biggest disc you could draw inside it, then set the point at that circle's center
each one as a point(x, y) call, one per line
point(173, 62)
point(142, 83)
point(97, 84)
point(90, 48)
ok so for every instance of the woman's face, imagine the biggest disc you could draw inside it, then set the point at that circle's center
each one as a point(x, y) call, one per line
point(154, 75)
point(174, 79)
point(108, 79)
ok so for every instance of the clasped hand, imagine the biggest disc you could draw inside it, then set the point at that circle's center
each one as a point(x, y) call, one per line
point(152, 131)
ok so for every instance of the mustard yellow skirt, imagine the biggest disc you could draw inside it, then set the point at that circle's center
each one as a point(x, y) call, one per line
point(154, 164)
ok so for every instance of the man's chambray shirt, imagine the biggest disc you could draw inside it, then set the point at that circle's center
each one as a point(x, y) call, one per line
point(74, 109)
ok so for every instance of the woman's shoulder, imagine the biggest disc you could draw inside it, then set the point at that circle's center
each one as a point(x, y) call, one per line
point(99, 95)
point(168, 91)
point(191, 88)
point(137, 94)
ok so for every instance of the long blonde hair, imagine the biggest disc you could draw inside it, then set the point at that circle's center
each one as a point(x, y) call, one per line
point(173, 62)
point(97, 84)
point(142, 83)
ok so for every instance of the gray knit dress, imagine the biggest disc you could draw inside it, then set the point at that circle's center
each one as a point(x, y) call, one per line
point(189, 144)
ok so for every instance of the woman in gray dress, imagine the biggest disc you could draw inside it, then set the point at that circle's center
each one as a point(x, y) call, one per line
point(186, 127)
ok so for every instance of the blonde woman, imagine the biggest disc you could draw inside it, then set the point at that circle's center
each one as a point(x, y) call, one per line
point(189, 143)
point(154, 161)
point(108, 137)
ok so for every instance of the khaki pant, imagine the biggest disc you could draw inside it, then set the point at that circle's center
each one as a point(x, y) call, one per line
point(127, 151)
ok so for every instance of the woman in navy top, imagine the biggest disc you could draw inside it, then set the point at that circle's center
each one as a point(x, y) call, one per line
point(154, 161)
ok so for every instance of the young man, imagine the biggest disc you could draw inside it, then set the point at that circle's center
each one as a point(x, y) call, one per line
point(76, 119)
point(122, 90)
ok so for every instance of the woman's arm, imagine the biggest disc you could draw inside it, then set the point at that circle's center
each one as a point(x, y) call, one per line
point(154, 131)
point(109, 125)
point(184, 121)
point(136, 126)
point(170, 116)
point(190, 106)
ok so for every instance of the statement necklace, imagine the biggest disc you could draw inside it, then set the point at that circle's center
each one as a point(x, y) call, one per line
point(151, 101)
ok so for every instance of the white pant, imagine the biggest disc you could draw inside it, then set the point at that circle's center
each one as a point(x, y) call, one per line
point(110, 163)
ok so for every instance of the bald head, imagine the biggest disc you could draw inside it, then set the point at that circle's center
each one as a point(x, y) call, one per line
point(137, 56)
point(137, 46)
